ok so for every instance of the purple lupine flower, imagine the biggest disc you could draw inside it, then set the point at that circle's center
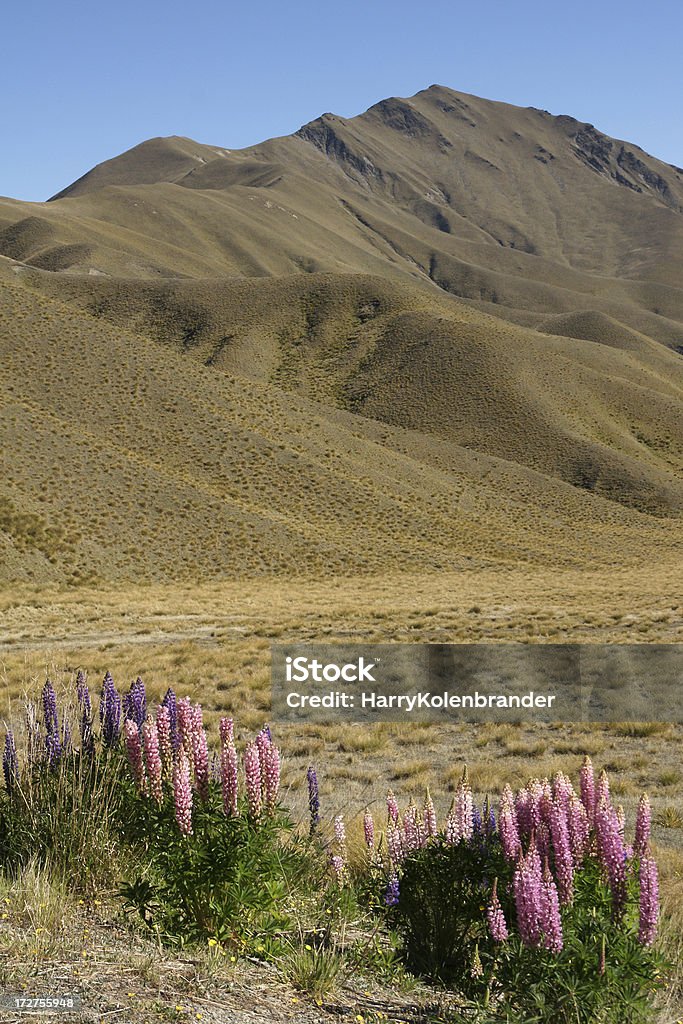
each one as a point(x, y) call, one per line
point(165, 740)
point(135, 703)
point(252, 774)
point(50, 719)
point(392, 891)
point(587, 787)
point(430, 816)
point(551, 923)
point(110, 712)
point(649, 900)
point(495, 917)
point(579, 830)
point(643, 826)
point(10, 762)
point(508, 826)
point(182, 793)
point(392, 807)
point(86, 719)
point(200, 753)
point(369, 830)
point(313, 799)
point(131, 736)
point(564, 861)
point(53, 745)
point(611, 852)
point(54, 751)
point(527, 884)
point(170, 701)
point(229, 767)
point(270, 772)
point(150, 737)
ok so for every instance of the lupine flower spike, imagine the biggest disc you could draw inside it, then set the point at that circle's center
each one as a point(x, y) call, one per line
point(182, 793)
point(10, 763)
point(495, 916)
point(252, 775)
point(313, 799)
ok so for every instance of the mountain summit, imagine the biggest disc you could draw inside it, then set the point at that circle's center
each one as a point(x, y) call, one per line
point(479, 300)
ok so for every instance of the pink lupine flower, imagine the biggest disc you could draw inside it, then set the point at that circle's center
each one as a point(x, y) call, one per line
point(563, 791)
point(649, 901)
point(182, 793)
point(536, 792)
point(395, 844)
point(252, 774)
point(150, 738)
point(270, 774)
point(411, 830)
point(186, 728)
point(602, 792)
point(564, 862)
point(527, 884)
point(543, 840)
point(200, 753)
point(263, 742)
point(392, 807)
point(643, 826)
point(226, 729)
point(163, 720)
point(229, 765)
point(611, 852)
point(551, 923)
point(340, 832)
point(579, 830)
point(460, 825)
point(369, 830)
point(508, 826)
point(495, 917)
point(131, 738)
point(430, 816)
point(339, 866)
point(522, 807)
point(587, 786)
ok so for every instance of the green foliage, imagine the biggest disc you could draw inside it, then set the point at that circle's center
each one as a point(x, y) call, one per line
point(441, 920)
point(233, 880)
point(440, 914)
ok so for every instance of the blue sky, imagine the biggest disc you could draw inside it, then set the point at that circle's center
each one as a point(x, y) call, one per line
point(81, 82)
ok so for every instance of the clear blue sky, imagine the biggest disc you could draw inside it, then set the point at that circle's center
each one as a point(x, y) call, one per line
point(83, 81)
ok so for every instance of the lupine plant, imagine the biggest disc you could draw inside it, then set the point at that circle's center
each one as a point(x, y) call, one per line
point(546, 913)
point(542, 909)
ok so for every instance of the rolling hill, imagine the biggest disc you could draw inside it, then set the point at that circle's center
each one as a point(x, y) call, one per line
point(445, 333)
